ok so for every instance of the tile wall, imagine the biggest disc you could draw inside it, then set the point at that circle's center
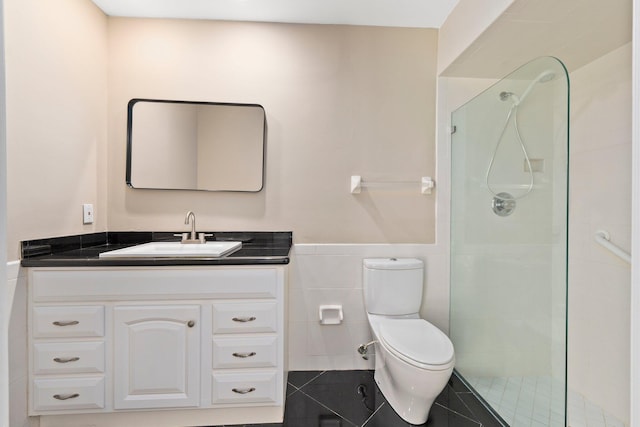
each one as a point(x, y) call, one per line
point(600, 199)
point(332, 274)
point(18, 375)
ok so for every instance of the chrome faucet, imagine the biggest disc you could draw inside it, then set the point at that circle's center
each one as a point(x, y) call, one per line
point(191, 217)
point(193, 237)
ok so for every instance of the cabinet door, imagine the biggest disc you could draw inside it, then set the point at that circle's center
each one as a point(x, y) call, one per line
point(156, 356)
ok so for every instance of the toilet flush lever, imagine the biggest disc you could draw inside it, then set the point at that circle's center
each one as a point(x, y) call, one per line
point(364, 349)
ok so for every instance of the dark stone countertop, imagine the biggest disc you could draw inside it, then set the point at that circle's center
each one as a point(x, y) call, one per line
point(260, 247)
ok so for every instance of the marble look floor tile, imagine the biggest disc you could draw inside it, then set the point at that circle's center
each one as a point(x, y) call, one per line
point(452, 400)
point(303, 411)
point(351, 394)
point(352, 399)
point(300, 378)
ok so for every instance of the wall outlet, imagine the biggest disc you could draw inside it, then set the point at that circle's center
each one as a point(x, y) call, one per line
point(87, 213)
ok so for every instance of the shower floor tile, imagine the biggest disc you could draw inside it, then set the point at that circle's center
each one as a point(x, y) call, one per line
point(538, 402)
point(352, 399)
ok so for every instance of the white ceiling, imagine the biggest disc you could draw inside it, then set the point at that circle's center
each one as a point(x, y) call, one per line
point(391, 13)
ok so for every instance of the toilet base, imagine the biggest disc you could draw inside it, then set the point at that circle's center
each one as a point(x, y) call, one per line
point(413, 414)
point(410, 391)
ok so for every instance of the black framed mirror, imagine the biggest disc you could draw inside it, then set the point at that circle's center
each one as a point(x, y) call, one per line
point(205, 146)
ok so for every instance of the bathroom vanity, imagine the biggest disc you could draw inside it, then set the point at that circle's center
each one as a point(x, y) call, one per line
point(163, 342)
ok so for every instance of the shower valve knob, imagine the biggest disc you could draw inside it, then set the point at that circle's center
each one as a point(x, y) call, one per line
point(503, 204)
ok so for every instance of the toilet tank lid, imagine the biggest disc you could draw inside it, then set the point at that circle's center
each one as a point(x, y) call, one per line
point(392, 263)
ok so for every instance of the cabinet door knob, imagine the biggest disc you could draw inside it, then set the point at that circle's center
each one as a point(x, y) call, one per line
point(243, 390)
point(65, 322)
point(65, 396)
point(244, 319)
point(65, 359)
point(191, 323)
point(243, 355)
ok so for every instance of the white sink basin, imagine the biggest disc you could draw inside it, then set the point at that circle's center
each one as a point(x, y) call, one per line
point(174, 250)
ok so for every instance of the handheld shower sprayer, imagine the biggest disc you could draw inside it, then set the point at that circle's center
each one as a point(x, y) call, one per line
point(543, 77)
point(502, 197)
point(506, 95)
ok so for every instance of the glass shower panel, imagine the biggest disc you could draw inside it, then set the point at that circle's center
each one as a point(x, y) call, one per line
point(509, 243)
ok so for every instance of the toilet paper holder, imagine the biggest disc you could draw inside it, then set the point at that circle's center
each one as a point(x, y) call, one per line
point(330, 314)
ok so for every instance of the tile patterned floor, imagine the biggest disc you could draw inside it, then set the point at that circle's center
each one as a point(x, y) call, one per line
point(583, 413)
point(539, 402)
point(524, 401)
point(352, 399)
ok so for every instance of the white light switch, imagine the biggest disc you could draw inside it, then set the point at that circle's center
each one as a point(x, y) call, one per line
point(87, 213)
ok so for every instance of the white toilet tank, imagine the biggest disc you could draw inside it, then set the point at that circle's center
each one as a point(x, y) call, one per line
point(392, 286)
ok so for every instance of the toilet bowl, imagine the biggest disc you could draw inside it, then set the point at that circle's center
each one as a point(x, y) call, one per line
point(414, 359)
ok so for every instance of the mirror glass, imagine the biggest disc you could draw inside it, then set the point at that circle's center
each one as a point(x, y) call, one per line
point(180, 145)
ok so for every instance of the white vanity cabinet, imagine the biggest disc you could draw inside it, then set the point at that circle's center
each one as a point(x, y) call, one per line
point(245, 353)
point(67, 357)
point(198, 341)
point(157, 356)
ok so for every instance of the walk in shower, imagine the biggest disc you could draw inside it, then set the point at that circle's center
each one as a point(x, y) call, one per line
point(509, 151)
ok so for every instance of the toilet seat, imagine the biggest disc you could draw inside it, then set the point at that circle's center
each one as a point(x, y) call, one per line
point(417, 342)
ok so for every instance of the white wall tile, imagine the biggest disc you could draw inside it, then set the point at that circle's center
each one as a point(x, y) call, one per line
point(327, 271)
point(18, 404)
point(600, 198)
point(332, 274)
point(297, 306)
point(18, 360)
point(18, 331)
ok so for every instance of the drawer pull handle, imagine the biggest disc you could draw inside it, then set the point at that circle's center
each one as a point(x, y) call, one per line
point(191, 323)
point(244, 319)
point(65, 359)
point(65, 396)
point(243, 390)
point(65, 322)
point(243, 355)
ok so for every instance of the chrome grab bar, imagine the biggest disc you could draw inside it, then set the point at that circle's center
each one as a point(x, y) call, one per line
point(604, 239)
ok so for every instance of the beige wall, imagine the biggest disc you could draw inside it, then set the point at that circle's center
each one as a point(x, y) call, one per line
point(600, 198)
point(468, 20)
point(339, 101)
point(56, 118)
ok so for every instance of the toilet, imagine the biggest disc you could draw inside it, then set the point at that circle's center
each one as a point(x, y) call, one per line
point(414, 359)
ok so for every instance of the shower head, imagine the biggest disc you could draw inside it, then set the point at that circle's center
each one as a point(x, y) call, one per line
point(505, 96)
point(546, 76)
point(543, 77)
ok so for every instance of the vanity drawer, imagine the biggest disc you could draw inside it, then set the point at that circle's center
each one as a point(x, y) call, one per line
point(68, 358)
point(255, 352)
point(68, 321)
point(254, 387)
point(234, 318)
point(68, 394)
